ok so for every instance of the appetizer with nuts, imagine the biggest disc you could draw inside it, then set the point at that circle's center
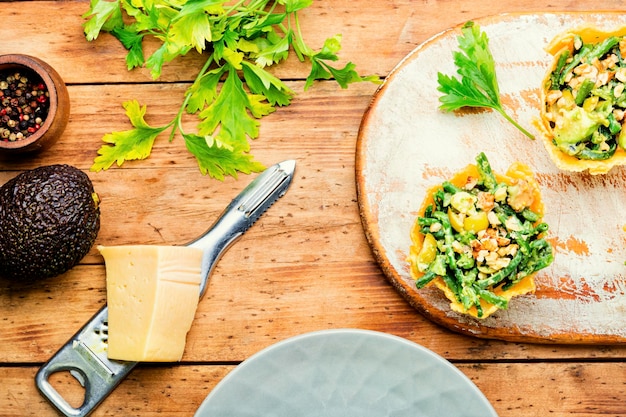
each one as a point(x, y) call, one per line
point(584, 100)
point(479, 237)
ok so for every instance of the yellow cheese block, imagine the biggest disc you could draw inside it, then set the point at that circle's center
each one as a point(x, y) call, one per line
point(152, 296)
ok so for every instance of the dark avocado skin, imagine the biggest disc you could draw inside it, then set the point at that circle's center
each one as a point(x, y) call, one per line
point(49, 220)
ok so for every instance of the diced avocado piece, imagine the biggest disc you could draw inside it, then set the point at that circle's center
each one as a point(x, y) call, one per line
point(621, 138)
point(463, 202)
point(439, 265)
point(577, 125)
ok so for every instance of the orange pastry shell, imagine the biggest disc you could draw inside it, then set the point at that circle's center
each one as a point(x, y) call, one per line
point(560, 43)
point(515, 172)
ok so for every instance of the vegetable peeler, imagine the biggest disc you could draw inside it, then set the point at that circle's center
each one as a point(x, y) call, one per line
point(85, 354)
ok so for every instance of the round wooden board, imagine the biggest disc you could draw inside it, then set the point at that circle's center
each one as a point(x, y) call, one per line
point(406, 145)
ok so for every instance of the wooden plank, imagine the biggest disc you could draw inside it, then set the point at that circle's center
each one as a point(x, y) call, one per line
point(304, 266)
point(389, 29)
point(514, 389)
point(319, 258)
point(270, 300)
point(161, 390)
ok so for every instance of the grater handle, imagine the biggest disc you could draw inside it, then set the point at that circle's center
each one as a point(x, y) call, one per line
point(84, 357)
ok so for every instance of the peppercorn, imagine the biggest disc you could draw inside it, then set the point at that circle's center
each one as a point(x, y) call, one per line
point(24, 103)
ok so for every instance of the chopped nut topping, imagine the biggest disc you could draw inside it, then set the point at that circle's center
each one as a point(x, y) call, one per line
point(493, 219)
point(493, 249)
point(470, 183)
point(553, 96)
point(435, 227)
point(620, 74)
point(486, 201)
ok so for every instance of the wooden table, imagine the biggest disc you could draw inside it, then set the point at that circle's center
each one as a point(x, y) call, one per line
point(305, 266)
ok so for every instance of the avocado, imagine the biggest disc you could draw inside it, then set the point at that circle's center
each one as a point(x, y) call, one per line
point(578, 124)
point(49, 220)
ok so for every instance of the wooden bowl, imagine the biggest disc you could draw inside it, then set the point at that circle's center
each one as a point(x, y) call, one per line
point(59, 105)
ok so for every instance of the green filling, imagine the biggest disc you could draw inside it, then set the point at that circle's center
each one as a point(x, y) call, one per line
point(586, 125)
point(469, 277)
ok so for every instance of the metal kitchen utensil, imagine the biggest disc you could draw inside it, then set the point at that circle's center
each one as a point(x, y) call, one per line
point(85, 354)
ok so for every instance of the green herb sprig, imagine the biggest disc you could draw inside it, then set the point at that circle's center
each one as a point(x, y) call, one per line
point(232, 91)
point(478, 86)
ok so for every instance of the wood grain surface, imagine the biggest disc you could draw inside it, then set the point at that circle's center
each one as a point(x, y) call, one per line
point(306, 265)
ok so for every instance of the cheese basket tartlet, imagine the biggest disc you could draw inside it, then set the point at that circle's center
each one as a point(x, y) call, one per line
point(479, 237)
point(584, 100)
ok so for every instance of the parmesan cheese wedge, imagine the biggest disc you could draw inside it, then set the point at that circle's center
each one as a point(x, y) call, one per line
point(152, 297)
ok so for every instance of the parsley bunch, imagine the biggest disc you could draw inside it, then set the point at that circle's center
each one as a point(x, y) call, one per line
point(232, 90)
point(478, 86)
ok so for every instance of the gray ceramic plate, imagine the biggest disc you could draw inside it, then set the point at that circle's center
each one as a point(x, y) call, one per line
point(346, 373)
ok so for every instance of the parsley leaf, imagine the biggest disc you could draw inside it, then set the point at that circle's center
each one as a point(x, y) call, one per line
point(104, 16)
point(234, 112)
point(131, 41)
point(130, 144)
point(219, 162)
point(262, 82)
point(321, 69)
point(232, 91)
point(478, 86)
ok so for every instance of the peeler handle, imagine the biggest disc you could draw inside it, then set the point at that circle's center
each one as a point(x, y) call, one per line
point(242, 212)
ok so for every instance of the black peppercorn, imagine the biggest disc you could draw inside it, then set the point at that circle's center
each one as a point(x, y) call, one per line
point(23, 104)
